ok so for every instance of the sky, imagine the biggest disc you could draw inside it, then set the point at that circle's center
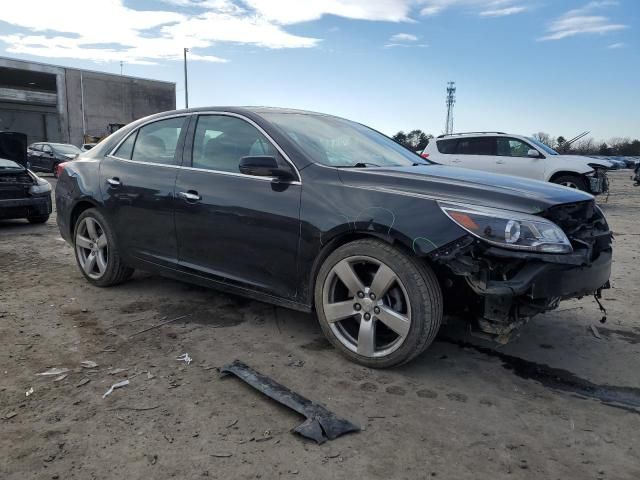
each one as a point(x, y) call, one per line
point(520, 66)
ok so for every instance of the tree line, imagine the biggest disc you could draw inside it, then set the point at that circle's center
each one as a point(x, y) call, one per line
point(417, 140)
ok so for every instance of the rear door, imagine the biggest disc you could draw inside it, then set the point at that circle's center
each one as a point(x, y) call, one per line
point(513, 159)
point(137, 183)
point(477, 153)
point(240, 229)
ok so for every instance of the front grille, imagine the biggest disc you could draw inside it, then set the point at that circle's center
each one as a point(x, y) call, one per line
point(584, 225)
point(9, 193)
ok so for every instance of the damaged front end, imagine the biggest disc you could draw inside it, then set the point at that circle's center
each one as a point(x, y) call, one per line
point(505, 287)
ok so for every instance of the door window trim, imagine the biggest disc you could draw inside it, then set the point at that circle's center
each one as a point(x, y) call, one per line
point(190, 149)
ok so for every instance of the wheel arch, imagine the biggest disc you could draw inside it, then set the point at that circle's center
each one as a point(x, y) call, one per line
point(561, 173)
point(79, 207)
point(347, 237)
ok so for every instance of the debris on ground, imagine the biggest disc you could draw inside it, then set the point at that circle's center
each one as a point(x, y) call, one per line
point(60, 378)
point(296, 363)
point(117, 371)
point(157, 325)
point(88, 364)
point(10, 415)
point(124, 383)
point(595, 332)
point(221, 455)
point(321, 424)
point(82, 382)
point(150, 376)
point(53, 371)
point(28, 392)
point(185, 358)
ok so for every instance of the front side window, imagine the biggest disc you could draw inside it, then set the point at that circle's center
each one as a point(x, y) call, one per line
point(36, 146)
point(221, 141)
point(476, 146)
point(156, 142)
point(46, 149)
point(511, 147)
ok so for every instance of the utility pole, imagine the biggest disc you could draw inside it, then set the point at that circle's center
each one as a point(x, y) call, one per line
point(121, 65)
point(451, 100)
point(186, 82)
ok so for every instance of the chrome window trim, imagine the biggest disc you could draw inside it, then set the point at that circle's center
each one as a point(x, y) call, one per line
point(222, 172)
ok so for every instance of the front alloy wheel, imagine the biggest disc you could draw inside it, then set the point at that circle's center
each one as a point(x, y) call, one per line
point(377, 305)
point(92, 248)
point(367, 306)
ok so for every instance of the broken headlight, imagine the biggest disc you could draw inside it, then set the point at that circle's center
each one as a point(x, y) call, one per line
point(40, 188)
point(514, 230)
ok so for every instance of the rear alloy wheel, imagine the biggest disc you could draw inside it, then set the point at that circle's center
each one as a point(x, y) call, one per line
point(376, 305)
point(96, 251)
point(572, 181)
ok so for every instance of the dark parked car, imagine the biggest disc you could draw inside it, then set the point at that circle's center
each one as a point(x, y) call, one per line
point(318, 213)
point(22, 193)
point(45, 157)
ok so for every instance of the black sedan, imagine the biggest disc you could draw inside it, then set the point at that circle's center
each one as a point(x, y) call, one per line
point(318, 213)
point(46, 156)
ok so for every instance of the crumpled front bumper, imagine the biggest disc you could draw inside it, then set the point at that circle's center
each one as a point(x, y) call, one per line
point(551, 276)
point(598, 182)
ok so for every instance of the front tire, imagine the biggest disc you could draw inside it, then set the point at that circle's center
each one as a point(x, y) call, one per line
point(96, 250)
point(378, 306)
point(572, 181)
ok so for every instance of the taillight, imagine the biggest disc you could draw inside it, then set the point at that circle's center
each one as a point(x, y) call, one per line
point(59, 168)
point(424, 155)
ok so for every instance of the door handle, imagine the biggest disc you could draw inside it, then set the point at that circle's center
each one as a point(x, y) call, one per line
point(114, 181)
point(499, 162)
point(190, 196)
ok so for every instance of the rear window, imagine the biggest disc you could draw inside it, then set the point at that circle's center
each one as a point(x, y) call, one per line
point(447, 146)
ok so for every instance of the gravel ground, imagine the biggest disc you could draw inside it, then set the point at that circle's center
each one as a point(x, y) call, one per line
point(556, 403)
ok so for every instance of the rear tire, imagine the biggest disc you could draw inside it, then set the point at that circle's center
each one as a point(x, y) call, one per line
point(96, 250)
point(38, 219)
point(390, 313)
point(572, 181)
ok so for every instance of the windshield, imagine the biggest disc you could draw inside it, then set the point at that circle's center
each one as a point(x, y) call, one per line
point(9, 165)
point(544, 147)
point(67, 149)
point(336, 142)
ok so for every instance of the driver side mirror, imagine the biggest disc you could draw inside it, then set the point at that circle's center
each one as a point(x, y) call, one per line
point(533, 153)
point(263, 166)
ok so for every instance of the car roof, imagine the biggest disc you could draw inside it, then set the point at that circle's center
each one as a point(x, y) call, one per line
point(477, 134)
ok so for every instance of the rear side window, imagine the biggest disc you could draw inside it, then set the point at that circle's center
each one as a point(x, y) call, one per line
point(126, 148)
point(46, 148)
point(37, 147)
point(157, 142)
point(447, 146)
point(221, 141)
point(476, 146)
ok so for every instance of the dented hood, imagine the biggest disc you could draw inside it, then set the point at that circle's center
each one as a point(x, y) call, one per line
point(465, 186)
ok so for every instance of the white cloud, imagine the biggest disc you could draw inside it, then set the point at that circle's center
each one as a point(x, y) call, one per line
point(403, 37)
point(615, 46)
point(581, 21)
point(124, 32)
point(503, 12)
point(484, 8)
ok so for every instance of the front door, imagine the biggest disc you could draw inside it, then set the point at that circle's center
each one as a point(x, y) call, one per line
point(137, 185)
point(513, 159)
point(237, 228)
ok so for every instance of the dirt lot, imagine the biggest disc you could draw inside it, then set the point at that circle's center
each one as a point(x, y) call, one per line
point(556, 403)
